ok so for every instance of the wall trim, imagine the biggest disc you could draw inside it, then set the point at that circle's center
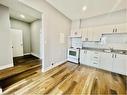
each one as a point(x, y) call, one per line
point(27, 54)
point(51, 67)
point(6, 66)
point(35, 55)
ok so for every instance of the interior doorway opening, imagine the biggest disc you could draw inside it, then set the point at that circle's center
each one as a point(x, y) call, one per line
point(26, 34)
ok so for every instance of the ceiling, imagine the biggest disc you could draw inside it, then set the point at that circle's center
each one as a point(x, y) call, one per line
point(73, 8)
point(16, 8)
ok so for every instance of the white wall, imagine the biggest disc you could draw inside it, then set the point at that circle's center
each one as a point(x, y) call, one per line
point(54, 25)
point(35, 37)
point(5, 42)
point(25, 27)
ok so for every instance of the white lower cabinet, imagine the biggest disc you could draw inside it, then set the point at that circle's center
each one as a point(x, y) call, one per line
point(95, 59)
point(112, 62)
point(116, 63)
point(82, 56)
point(120, 64)
point(90, 58)
point(85, 57)
point(106, 60)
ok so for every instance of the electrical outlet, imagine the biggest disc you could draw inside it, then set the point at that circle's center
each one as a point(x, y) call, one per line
point(52, 64)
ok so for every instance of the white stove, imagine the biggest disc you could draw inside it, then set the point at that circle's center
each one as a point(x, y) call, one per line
point(73, 55)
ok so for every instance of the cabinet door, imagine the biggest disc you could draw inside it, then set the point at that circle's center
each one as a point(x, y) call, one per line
point(84, 34)
point(90, 34)
point(107, 29)
point(121, 28)
point(97, 33)
point(83, 57)
point(106, 60)
point(119, 64)
point(89, 58)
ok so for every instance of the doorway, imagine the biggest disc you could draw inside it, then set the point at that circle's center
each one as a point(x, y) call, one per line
point(26, 31)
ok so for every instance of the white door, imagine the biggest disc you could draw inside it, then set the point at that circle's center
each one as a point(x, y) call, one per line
point(17, 42)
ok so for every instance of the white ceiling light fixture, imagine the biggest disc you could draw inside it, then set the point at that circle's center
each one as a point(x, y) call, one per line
point(22, 16)
point(84, 8)
point(20, 0)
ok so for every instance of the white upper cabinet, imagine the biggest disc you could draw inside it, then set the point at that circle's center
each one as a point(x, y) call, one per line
point(90, 34)
point(76, 33)
point(75, 29)
point(97, 34)
point(121, 28)
point(106, 29)
point(84, 34)
point(118, 28)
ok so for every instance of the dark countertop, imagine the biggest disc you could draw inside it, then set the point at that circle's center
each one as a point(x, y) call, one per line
point(124, 52)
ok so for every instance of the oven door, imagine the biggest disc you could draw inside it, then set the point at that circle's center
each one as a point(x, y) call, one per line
point(73, 53)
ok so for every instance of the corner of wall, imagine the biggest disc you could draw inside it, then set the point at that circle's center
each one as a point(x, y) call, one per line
point(6, 66)
point(51, 67)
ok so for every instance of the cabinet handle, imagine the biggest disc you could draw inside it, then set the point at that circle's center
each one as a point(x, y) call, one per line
point(113, 30)
point(115, 55)
point(112, 55)
point(116, 30)
point(86, 39)
point(95, 57)
point(95, 63)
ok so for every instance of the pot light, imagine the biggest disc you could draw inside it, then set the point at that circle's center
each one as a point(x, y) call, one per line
point(84, 8)
point(22, 16)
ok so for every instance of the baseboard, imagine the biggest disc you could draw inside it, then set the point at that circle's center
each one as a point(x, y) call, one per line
point(35, 55)
point(27, 54)
point(6, 66)
point(51, 67)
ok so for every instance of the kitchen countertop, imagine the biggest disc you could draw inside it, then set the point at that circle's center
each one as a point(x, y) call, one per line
point(124, 52)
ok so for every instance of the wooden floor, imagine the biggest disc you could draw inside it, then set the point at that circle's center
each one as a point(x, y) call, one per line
point(24, 59)
point(24, 67)
point(71, 79)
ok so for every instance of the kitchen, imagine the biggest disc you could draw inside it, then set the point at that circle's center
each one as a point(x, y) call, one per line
point(103, 47)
